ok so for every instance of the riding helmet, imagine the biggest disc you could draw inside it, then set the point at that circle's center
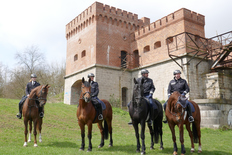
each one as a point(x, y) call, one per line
point(90, 75)
point(176, 72)
point(144, 71)
point(33, 76)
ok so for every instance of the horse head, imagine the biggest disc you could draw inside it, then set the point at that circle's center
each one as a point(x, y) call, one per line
point(86, 90)
point(138, 91)
point(40, 93)
point(177, 105)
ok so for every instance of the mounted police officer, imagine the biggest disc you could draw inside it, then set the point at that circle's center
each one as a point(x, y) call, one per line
point(180, 85)
point(149, 89)
point(30, 85)
point(94, 93)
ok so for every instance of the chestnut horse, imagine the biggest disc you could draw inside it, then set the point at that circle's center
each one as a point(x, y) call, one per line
point(139, 111)
point(176, 115)
point(86, 115)
point(31, 112)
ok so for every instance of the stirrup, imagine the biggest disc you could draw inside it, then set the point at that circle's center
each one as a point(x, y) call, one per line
point(191, 119)
point(41, 115)
point(100, 117)
point(19, 115)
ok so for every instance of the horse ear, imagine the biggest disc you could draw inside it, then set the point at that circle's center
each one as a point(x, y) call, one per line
point(47, 86)
point(142, 81)
point(83, 80)
point(89, 80)
point(135, 81)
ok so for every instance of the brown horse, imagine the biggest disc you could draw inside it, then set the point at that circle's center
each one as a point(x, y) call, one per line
point(31, 112)
point(176, 115)
point(86, 115)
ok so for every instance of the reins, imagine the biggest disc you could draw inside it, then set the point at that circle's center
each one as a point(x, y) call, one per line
point(175, 107)
point(39, 98)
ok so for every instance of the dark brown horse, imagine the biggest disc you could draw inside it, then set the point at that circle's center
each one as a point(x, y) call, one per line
point(176, 115)
point(86, 115)
point(31, 112)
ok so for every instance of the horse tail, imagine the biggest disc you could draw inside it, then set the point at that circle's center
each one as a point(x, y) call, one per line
point(194, 131)
point(106, 130)
point(157, 130)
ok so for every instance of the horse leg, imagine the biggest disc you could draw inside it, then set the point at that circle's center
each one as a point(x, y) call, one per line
point(199, 135)
point(39, 124)
point(152, 136)
point(143, 137)
point(175, 149)
point(109, 123)
point(25, 131)
point(35, 133)
point(90, 136)
point(181, 129)
point(160, 126)
point(82, 127)
point(102, 135)
point(190, 135)
point(30, 128)
point(135, 125)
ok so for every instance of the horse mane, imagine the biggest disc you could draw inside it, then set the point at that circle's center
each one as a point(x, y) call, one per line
point(33, 91)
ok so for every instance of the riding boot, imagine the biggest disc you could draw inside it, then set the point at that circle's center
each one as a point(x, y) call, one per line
point(165, 121)
point(189, 111)
point(100, 116)
point(19, 115)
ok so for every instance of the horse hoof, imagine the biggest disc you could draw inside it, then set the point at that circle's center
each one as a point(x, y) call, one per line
point(40, 141)
point(192, 150)
point(161, 148)
point(81, 149)
point(99, 146)
point(25, 144)
point(174, 153)
point(151, 148)
point(29, 141)
point(199, 151)
point(137, 151)
point(110, 145)
point(89, 150)
point(35, 145)
point(143, 153)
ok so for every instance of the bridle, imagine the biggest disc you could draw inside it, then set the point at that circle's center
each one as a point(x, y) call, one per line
point(39, 98)
point(175, 107)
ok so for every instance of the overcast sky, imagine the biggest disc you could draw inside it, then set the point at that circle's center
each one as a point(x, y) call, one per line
point(41, 23)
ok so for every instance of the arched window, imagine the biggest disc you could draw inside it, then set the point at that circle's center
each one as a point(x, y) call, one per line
point(157, 44)
point(146, 49)
point(123, 59)
point(75, 57)
point(83, 53)
point(124, 97)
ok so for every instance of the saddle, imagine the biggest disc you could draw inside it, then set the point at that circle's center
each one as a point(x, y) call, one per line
point(96, 104)
point(183, 102)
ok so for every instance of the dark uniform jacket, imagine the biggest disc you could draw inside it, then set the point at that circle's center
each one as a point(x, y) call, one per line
point(178, 85)
point(94, 88)
point(148, 85)
point(30, 87)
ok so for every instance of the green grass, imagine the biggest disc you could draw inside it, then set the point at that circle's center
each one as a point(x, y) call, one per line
point(61, 134)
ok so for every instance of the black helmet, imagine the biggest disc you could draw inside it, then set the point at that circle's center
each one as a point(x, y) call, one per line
point(90, 75)
point(33, 76)
point(144, 71)
point(176, 72)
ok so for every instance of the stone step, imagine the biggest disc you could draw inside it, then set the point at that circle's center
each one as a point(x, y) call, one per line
point(210, 113)
point(216, 126)
point(204, 107)
point(210, 120)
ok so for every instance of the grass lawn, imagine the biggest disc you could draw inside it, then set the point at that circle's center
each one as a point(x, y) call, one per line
point(61, 134)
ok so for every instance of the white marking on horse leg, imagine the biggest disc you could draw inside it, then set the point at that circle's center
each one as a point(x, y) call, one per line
point(25, 144)
point(185, 114)
point(192, 150)
point(29, 137)
point(199, 149)
point(40, 137)
point(35, 145)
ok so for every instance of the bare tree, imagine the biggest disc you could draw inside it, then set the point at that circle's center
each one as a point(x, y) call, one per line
point(31, 58)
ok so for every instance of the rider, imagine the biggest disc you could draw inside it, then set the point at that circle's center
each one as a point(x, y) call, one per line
point(180, 85)
point(94, 93)
point(149, 89)
point(30, 85)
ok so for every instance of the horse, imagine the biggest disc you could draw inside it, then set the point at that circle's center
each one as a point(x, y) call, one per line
point(31, 112)
point(176, 115)
point(87, 115)
point(139, 112)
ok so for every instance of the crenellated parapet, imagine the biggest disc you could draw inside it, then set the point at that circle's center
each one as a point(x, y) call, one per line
point(97, 12)
point(181, 14)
